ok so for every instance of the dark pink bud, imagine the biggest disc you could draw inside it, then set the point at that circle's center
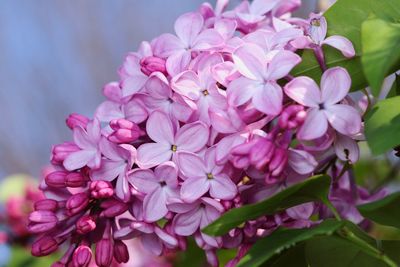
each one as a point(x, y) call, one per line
point(262, 152)
point(124, 131)
point(58, 264)
point(76, 179)
point(101, 189)
point(121, 253)
point(77, 203)
point(46, 204)
point(56, 179)
point(44, 246)
point(113, 208)
point(82, 256)
point(85, 225)
point(152, 64)
point(76, 120)
point(292, 117)
point(278, 162)
point(41, 221)
point(61, 151)
point(104, 253)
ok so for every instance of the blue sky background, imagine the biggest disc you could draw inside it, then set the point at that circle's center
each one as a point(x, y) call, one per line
point(55, 56)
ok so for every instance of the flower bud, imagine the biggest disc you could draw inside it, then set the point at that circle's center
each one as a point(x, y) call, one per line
point(75, 179)
point(113, 208)
point(85, 225)
point(278, 162)
point(124, 131)
point(58, 264)
point(77, 203)
point(151, 64)
point(101, 189)
point(46, 204)
point(61, 151)
point(44, 246)
point(104, 253)
point(56, 179)
point(76, 120)
point(82, 256)
point(41, 221)
point(292, 117)
point(121, 253)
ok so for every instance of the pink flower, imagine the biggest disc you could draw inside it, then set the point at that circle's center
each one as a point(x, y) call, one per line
point(191, 137)
point(254, 12)
point(87, 140)
point(158, 186)
point(203, 176)
point(190, 37)
point(324, 107)
point(258, 83)
point(119, 160)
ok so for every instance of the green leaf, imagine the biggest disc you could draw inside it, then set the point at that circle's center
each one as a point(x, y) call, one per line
point(385, 211)
point(380, 47)
point(392, 248)
point(332, 251)
point(382, 125)
point(265, 248)
point(294, 256)
point(345, 18)
point(312, 189)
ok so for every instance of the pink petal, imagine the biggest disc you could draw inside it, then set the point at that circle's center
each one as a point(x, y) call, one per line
point(158, 86)
point(109, 170)
point(192, 137)
point(187, 224)
point(188, 26)
point(110, 150)
point(262, 6)
point(269, 99)
point(301, 161)
point(190, 164)
point(225, 27)
point(250, 60)
point(159, 128)
point(304, 91)
point(152, 243)
point(344, 119)
point(225, 146)
point(154, 205)
point(318, 32)
point(133, 84)
point(281, 64)
point(167, 44)
point(143, 180)
point(301, 212)
point(135, 111)
point(207, 39)
point(341, 43)
point(222, 122)
point(242, 90)
point(193, 188)
point(178, 62)
point(314, 126)
point(335, 84)
point(108, 111)
point(82, 139)
point(167, 172)
point(346, 148)
point(77, 160)
point(165, 237)
point(222, 187)
point(122, 188)
point(187, 84)
point(153, 154)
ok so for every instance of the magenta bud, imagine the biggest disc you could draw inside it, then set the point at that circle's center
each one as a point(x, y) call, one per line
point(77, 203)
point(151, 64)
point(113, 208)
point(82, 256)
point(44, 246)
point(76, 120)
point(76, 179)
point(56, 179)
point(124, 131)
point(278, 162)
point(41, 221)
point(61, 151)
point(292, 116)
point(121, 253)
point(101, 189)
point(104, 253)
point(58, 264)
point(46, 204)
point(85, 225)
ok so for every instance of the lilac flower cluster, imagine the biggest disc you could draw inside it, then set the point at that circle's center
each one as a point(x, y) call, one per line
point(202, 121)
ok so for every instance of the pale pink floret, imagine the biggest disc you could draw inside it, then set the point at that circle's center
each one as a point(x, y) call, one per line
point(204, 176)
point(324, 106)
point(158, 186)
point(191, 137)
point(260, 74)
point(88, 141)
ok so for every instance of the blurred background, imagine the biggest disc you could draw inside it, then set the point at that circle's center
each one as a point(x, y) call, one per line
point(55, 56)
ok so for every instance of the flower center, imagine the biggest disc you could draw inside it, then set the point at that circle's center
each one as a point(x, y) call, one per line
point(321, 106)
point(174, 148)
point(210, 176)
point(205, 92)
point(163, 183)
point(220, 86)
point(315, 22)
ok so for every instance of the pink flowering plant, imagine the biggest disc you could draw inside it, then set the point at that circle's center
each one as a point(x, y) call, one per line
point(238, 130)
